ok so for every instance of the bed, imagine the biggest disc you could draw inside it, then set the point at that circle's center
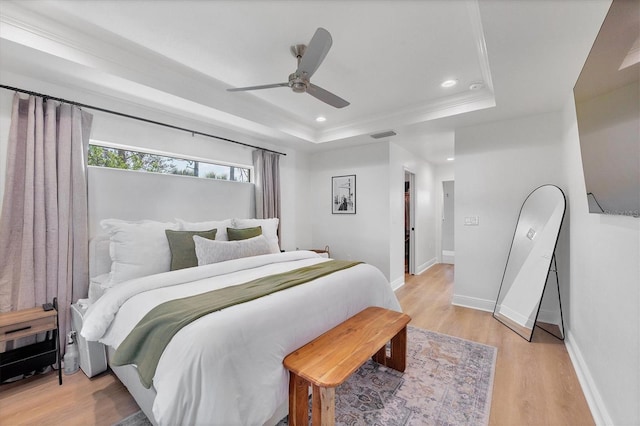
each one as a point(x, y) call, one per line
point(225, 367)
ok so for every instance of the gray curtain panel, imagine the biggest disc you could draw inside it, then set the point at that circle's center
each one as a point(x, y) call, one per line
point(267, 181)
point(43, 227)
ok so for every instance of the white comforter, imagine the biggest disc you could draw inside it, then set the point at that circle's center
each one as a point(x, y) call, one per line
point(226, 368)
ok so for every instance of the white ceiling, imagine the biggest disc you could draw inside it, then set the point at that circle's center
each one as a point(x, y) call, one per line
point(388, 59)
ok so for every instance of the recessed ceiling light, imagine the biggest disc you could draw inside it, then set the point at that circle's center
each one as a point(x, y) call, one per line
point(450, 159)
point(476, 85)
point(449, 83)
point(320, 119)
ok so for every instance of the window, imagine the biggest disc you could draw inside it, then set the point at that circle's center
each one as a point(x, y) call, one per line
point(121, 158)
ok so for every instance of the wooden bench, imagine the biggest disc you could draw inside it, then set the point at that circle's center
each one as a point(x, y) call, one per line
point(330, 359)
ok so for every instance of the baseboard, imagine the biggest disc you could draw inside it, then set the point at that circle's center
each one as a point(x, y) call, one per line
point(473, 303)
point(548, 316)
point(449, 256)
point(397, 283)
point(594, 399)
point(426, 265)
point(551, 317)
point(514, 316)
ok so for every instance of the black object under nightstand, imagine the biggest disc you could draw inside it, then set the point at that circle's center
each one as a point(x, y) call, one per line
point(28, 322)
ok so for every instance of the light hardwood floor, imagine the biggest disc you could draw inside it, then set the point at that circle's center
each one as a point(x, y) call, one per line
point(534, 384)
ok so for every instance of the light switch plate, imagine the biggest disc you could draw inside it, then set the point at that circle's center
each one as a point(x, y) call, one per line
point(471, 221)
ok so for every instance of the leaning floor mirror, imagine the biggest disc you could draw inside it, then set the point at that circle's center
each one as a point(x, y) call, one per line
point(531, 263)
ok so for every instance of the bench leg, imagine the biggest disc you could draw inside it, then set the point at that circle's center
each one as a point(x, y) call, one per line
point(398, 358)
point(323, 406)
point(298, 400)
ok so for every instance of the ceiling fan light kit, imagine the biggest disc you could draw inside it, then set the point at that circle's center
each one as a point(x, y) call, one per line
point(309, 59)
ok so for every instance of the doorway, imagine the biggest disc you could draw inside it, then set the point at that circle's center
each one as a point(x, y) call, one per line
point(409, 223)
point(448, 245)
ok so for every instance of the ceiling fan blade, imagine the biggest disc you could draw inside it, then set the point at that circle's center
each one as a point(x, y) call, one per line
point(325, 96)
point(315, 53)
point(264, 86)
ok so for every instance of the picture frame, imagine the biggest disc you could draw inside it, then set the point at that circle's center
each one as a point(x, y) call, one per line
point(343, 194)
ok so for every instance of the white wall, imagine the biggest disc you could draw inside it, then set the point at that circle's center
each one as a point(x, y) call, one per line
point(362, 236)
point(110, 128)
point(6, 101)
point(135, 195)
point(375, 234)
point(296, 208)
point(601, 303)
point(497, 166)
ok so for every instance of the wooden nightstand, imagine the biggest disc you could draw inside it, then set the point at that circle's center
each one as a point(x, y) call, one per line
point(322, 252)
point(28, 322)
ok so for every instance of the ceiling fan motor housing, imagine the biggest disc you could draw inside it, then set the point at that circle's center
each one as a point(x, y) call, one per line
point(297, 84)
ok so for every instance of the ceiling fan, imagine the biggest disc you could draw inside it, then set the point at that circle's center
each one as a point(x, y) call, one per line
point(309, 59)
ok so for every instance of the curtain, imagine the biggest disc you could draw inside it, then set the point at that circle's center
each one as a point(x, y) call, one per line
point(43, 226)
point(266, 167)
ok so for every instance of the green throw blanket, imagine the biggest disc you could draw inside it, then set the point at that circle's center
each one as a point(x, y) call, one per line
point(146, 342)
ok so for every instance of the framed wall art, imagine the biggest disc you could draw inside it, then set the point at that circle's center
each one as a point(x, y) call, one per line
point(343, 194)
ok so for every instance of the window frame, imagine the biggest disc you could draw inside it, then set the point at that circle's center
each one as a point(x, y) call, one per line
point(173, 155)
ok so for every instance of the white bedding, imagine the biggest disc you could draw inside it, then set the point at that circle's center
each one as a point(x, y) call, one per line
point(226, 368)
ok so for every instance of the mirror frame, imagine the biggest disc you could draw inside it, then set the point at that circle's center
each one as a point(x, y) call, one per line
point(523, 331)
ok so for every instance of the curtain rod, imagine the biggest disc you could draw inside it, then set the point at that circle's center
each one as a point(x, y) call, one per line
point(146, 120)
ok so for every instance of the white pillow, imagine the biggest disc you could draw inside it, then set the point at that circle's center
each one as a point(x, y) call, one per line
point(220, 225)
point(137, 249)
point(269, 229)
point(212, 251)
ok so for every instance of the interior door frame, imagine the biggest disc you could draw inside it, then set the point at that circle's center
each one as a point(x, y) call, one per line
point(412, 220)
point(448, 217)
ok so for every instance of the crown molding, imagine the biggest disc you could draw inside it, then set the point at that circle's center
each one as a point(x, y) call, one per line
point(443, 107)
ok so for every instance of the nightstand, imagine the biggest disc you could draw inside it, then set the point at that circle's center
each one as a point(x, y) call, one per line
point(28, 322)
point(322, 252)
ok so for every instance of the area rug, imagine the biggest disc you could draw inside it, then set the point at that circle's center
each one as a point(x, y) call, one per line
point(136, 419)
point(448, 381)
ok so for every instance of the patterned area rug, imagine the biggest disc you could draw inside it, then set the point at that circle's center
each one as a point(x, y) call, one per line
point(448, 381)
point(136, 419)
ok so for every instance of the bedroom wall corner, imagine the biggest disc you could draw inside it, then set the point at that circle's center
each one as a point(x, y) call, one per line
point(497, 165)
point(425, 228)
point(362, 236)
point(602, 295)
point(295, 175)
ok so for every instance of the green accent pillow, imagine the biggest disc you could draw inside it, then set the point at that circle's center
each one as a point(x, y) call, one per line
point(236, 234)
point(183, 249)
